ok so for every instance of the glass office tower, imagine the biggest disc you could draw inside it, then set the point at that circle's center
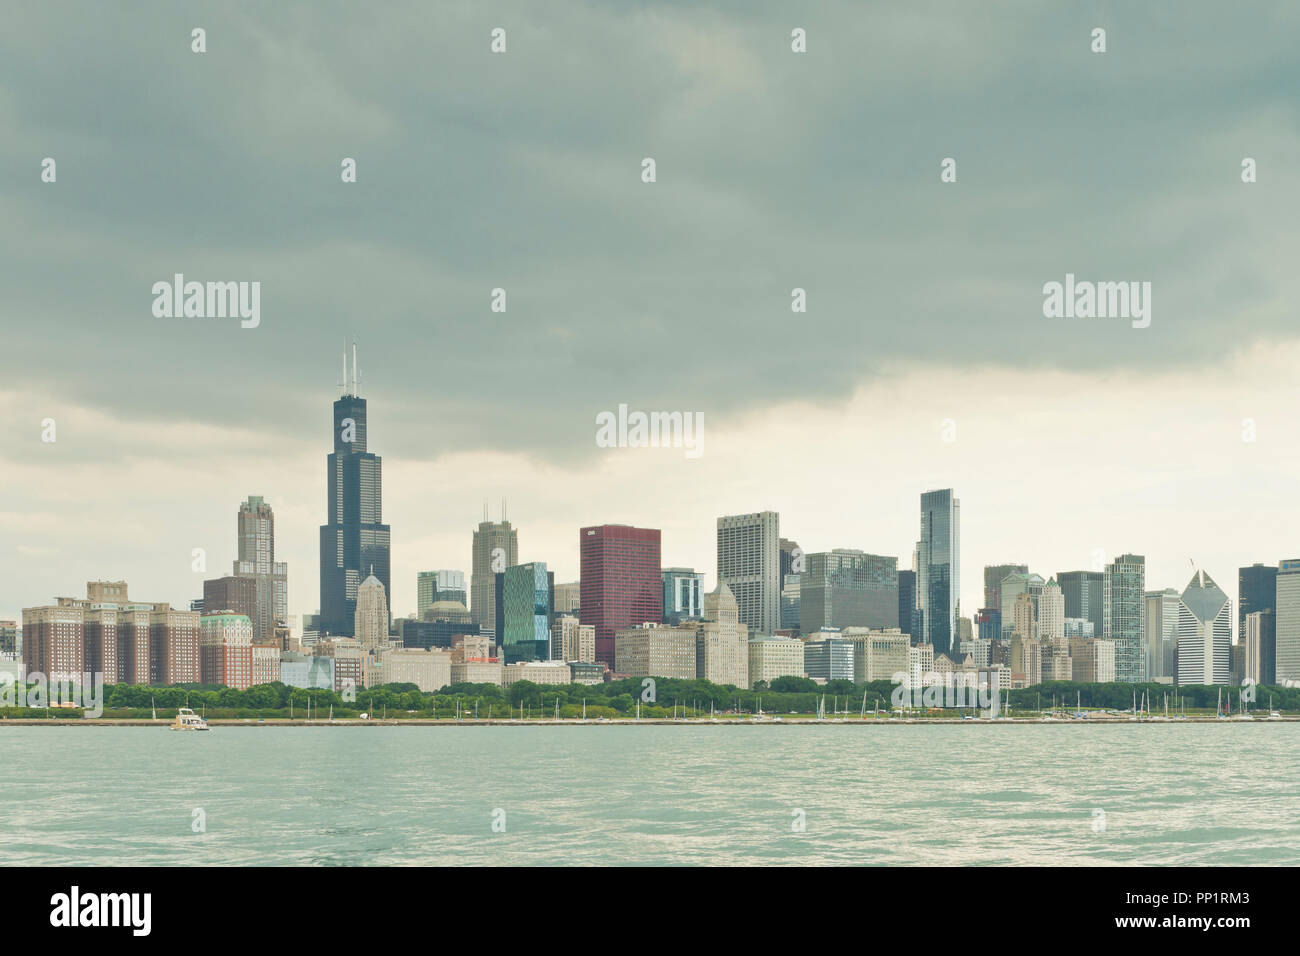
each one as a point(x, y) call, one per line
point(939, 568)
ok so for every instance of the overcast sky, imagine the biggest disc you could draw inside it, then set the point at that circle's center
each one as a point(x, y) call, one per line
point(522, 171)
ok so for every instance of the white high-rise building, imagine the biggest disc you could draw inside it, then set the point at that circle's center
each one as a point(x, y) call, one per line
point(1287, 646)
point(1051, 613)
point(1123, 586)
point(1204, 633)
point(749, 563)
point(371, 620)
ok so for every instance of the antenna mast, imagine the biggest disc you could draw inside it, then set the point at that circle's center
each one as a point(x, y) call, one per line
point(355, 380)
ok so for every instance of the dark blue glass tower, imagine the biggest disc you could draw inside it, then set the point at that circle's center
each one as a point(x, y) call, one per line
point(354, 542)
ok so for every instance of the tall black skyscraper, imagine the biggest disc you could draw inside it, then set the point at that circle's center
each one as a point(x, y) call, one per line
point(907, 601)
point(1256, 591)
point(354, 542)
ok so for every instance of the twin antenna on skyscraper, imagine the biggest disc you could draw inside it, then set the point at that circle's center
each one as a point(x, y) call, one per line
point(350, 387)
point(485, 510)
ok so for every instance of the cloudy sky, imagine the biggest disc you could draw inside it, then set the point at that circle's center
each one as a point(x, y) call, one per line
point(522, 170)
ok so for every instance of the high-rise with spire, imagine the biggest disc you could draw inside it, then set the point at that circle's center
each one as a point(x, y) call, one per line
point(496, 547)
point(354, 541)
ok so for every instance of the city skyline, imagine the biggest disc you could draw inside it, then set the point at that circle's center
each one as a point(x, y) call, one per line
point(569, 570)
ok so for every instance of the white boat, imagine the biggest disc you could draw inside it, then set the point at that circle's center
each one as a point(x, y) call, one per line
point(186, 719)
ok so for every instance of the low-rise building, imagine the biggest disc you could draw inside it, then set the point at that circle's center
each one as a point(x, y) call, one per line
point(1093, 660)
point(472, 671)
point(653, 649)
point(828, 658)
point(307, 670)
point(429, 669)
point(266, 663)
point(772, 657)
point(538, 672)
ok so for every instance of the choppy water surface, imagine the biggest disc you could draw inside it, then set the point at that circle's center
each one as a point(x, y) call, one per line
point(1068, 795)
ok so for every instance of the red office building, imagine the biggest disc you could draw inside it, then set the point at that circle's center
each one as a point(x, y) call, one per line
point(621, 581)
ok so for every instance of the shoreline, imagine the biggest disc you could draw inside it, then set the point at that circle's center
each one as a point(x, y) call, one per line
point(164, 723)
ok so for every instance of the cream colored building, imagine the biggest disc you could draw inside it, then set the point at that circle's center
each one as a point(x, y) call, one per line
point(722, 641)
point(537, 672)
point(428, 669)
point(476, 672)
point(568, 597)
point(571, 640)
point(655, 650)
point(773, 657)
point(1093, 660)
point(266, 663)
point(472, 647)
point(877, 654)
point(370, 624)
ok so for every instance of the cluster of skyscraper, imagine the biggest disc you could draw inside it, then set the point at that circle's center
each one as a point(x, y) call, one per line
point(775, 611)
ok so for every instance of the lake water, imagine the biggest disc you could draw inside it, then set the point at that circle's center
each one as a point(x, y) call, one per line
point(963, 794)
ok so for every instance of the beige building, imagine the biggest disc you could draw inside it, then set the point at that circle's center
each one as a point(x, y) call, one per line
point(370, 624)
point(1093, 660)
point(476, 672)
point(655, 650)
point(468, 648)
point(568, 597)
point(429, 669)
point(773, 657)
point(537, 672)
point(266, 663)
point(571, 640)
point(722, 641)
point(877, 654)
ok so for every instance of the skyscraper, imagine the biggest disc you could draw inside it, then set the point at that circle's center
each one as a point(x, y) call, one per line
point(790, 555)
point(848, 588)
point(370, 624)
point(256, 560)
point(683, 594)
point(496, 547)
point(1160, 634)
point(1204, 633)
point(1013, 585)
point(722, 641)
point(1256, 591)
point(906, 601)
point(1123, 586)
point(1083, 596)
point(994, 575)
point(938, 579)
point(434, 586)
point(622, 581)
point(353, 542)
point(749, 563)
point(525, 634)
point(1260, 640)
point(1287, 621)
